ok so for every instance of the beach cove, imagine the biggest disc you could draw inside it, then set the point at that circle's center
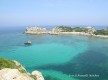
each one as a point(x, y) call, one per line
point(57, 56)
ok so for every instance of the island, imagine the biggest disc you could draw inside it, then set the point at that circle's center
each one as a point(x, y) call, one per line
point(87, 31)
point(13, 70)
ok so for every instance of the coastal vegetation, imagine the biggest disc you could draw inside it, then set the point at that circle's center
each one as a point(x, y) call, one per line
point(89, 30)
point(72, 29)
point(101, 32)
point(5, 63)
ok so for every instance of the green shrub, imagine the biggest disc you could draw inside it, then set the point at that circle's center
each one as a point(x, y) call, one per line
point(5, 63)
point(71, 29)
point(101, 32)
point(33, 76)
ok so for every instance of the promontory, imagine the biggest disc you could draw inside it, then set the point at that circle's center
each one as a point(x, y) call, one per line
point(86, 31)
point(13, 70)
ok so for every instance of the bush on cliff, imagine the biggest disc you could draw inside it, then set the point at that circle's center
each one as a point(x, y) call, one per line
point(5, 63)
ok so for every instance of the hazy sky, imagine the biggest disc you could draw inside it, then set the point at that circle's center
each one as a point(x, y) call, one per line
point(53, 12)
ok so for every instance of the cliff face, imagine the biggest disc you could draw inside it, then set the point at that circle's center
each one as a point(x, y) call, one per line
point(36, 30)
point(13, 70)
point(13, 74)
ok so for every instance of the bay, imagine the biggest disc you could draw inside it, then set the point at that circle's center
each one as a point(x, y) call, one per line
point(57, 56)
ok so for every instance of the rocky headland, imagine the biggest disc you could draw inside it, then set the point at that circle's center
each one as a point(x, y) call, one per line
point(87, 31)
point(13, 70)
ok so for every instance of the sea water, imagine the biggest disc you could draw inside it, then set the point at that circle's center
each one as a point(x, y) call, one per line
point(58, 57)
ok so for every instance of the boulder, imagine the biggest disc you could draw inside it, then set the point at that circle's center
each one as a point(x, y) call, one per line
point(38, 75)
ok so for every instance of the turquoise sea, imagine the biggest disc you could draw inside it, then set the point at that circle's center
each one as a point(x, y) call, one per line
point(58, 57)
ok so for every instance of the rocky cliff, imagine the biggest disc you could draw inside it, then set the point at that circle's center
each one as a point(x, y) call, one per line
point(13, 70)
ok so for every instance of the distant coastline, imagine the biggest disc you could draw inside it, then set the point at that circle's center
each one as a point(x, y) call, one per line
point(65, 30)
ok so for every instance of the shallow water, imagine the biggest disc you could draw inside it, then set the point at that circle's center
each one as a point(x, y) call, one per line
point(58, 57)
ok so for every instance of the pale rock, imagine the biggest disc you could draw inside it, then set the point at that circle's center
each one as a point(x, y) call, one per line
point(19, 65)
point(13, 74)
point(38, 75)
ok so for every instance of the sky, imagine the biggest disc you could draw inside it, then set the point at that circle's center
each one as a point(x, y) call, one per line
point(53, 12)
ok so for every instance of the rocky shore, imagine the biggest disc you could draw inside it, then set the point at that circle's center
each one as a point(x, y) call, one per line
point(59, 31)
point(83, 34)
point(13, 70)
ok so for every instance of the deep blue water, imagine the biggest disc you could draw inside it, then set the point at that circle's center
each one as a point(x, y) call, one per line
point(58, 57)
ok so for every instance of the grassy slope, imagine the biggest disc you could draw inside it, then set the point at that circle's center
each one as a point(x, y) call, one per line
point(5, 63)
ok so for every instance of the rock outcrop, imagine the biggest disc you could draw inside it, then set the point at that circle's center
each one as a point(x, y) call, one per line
point(13, 70)
point(36, 30)
point(13, 74)
point(38, 75)
point(39, 30)
point(19, 65)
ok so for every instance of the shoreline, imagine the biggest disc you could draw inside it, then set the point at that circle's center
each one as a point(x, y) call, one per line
point(84, 34)
point(68, 33)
